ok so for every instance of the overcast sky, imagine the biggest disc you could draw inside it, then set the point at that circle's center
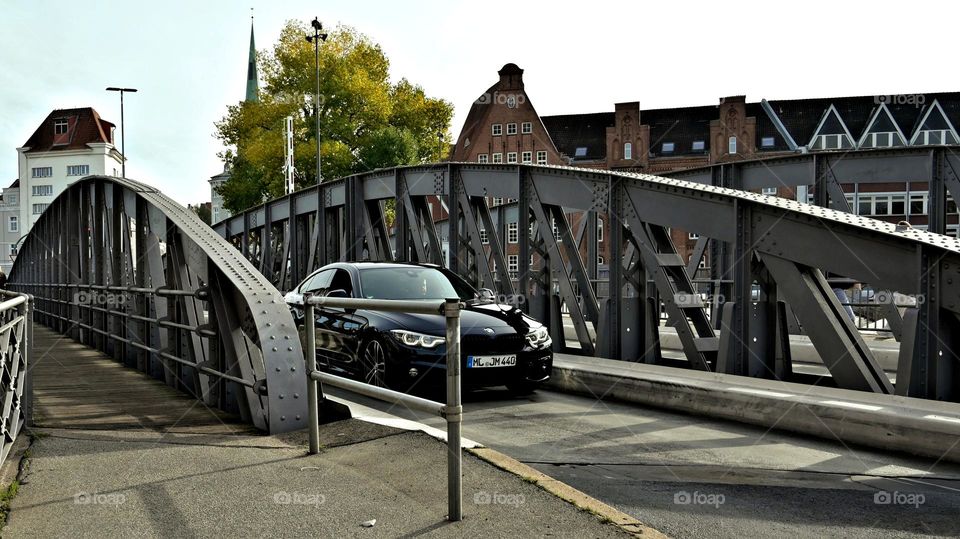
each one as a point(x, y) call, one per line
point(188, 59)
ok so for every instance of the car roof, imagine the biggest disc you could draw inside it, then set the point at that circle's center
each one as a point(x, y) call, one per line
point(373, 264)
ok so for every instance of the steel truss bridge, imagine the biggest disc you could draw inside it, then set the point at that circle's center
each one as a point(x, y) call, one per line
point(117, 265)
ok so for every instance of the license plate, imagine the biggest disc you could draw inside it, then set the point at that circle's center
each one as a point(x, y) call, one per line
point(478, 362)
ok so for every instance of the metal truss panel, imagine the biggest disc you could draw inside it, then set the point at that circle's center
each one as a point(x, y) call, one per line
point(183, 247)
point(694, 212)
point(500, 181)
point(306, 201)
point(566, 189)
point(776, 174)
point(832, 333)
point(853, 253)
point(379, 185)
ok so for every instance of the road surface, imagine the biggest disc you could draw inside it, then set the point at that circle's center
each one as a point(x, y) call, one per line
point(691, 476)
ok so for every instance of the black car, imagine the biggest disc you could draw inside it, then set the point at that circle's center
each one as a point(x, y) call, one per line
point(499, 344)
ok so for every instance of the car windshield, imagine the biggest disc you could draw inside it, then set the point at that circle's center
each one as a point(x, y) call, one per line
point(412, 283)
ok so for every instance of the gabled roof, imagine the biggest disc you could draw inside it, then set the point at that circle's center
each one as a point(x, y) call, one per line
point(882, 122)
point(831, 124)
point(933, 119)
point(84, 127)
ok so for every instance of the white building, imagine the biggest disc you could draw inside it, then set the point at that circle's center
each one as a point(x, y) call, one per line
point(68, 145)
point(10, 231)
point(217, 211)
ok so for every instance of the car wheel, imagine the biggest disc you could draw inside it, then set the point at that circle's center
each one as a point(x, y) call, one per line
point(522, 387)
point(375, 364)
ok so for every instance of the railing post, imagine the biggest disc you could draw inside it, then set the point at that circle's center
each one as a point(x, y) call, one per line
point(310, 355)
point(454, 412)
point(27, 358)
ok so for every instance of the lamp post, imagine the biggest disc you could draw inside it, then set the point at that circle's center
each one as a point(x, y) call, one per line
point(316, 38)
point(123, 131)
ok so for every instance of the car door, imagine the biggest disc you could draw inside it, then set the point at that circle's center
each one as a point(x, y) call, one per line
point(343, 326)
point(317, 285)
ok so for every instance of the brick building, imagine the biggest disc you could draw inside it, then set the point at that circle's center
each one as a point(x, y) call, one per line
point(503, 126)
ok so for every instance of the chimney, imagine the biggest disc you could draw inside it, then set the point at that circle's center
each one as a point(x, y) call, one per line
point(511, 77)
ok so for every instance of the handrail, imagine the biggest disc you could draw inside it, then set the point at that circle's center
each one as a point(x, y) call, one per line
point(452, 411)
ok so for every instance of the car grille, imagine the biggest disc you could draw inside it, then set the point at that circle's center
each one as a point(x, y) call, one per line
point(496, 344)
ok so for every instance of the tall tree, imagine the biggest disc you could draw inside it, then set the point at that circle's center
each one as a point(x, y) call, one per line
point(366, 121)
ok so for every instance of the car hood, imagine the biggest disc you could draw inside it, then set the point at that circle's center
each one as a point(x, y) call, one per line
point(473, 317)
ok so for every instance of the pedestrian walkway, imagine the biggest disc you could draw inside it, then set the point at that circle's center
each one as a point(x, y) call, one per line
point(116, 453)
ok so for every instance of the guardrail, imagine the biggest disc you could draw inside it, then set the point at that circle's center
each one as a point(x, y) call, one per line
point(16, 336)
point(452, 411)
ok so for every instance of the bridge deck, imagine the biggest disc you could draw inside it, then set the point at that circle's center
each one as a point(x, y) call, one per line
point(78, 387)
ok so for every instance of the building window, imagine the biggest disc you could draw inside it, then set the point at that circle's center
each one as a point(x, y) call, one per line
point(12, 198)
point(59, 127)
point(42, 172)
point(484, 238)
point(766, 142)
point(732, 145)
point(581, 151)
point(12, 224)
point(526, 128)
point(498, 158)
point(40, 208)
point(511, 157)
point(599, 229)
point(693, 236)
point(482, 158)
point(513, 233)
point(513, 265)
point(556, 231)
point(668, 147)
point(698, 146)
point(78, 170)
point(541, 158)
point(511, 129)
point(497, 201)
point(526, 157)
point(42, 190)
point(627, 150)
point(769, 191)
point(600, 260)
point(497, 129)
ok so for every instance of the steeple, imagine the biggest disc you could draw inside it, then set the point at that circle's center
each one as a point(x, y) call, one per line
point(253, 83)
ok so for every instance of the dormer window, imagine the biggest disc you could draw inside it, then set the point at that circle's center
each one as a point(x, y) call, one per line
point(668, 147)
point(60, 127)
point(698, 146)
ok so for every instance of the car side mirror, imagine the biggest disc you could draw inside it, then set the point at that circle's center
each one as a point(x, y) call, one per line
point(338, 293)
point(486, 294)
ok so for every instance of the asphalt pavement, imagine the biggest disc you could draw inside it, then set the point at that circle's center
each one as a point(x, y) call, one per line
point(691, 476)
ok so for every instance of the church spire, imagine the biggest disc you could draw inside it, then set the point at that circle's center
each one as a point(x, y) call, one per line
point(253, 83)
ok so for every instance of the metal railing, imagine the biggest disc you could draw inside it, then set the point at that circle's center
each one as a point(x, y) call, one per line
point(452, 411)
point(16, 337)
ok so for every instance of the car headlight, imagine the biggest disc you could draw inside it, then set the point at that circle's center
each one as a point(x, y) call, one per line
point(411, 338)
point(539, 337)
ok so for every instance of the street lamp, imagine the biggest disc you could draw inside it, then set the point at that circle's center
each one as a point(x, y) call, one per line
point(316, 38)
point(123, 132)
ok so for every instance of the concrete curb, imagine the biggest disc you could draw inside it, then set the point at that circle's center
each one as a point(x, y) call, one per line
point(887, 422)
point(567, 493)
